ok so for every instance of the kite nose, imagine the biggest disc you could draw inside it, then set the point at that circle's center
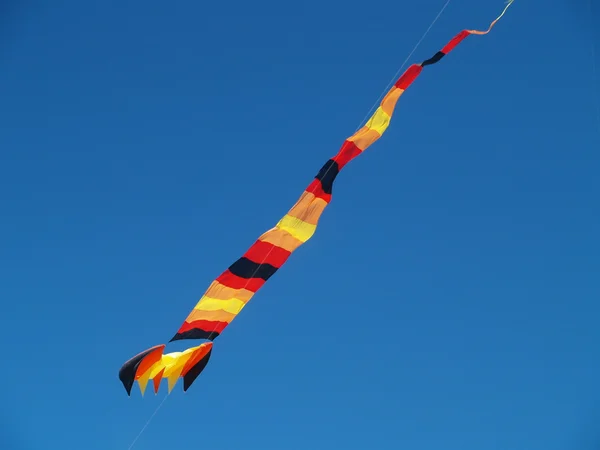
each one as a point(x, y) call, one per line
point(153, 365)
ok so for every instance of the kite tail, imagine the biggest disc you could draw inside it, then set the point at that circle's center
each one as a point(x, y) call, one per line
point(508, 3)
point(229, 293)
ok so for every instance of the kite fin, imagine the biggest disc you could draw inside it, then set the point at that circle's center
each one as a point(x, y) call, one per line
point(153, 365)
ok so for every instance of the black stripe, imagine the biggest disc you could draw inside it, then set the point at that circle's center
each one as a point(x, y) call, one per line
point(245, 268)
point(327, 175)
point(435, 58)
point(195, 333)
point(193, 373)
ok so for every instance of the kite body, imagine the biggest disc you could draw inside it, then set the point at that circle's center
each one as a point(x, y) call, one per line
point(232, 290)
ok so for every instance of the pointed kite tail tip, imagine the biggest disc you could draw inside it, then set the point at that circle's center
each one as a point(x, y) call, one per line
point(153, 365)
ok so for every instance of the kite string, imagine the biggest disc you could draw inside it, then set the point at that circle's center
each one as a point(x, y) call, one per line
point(148, 422)
point(403, 64)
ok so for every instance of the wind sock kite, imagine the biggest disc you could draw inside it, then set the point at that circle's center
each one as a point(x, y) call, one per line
point(234, 288)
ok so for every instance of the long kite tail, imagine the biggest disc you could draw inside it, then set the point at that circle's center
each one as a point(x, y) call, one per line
point(233, 289)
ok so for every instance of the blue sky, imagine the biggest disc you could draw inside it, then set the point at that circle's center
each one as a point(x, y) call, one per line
point(449, 299)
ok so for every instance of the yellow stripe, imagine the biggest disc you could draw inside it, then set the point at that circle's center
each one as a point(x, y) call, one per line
point(232, 306)
point(166, 359)
point(299, 229)
point(379, 121)
point(174, 369)
point(374, 128)
point(143, 382)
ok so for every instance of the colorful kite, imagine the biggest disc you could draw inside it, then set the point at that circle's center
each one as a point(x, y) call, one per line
point(234, 288)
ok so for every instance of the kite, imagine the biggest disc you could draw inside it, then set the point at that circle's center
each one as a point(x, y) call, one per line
point(232, 290)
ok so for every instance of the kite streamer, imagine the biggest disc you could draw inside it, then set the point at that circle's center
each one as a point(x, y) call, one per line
point(232, 290)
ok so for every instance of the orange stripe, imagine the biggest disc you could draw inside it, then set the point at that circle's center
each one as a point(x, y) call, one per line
point(389, 101)
point(281, 238)
point(308, 209)
point(364, 137)
point(222, 292)
point(148, 361)
point(213, 316)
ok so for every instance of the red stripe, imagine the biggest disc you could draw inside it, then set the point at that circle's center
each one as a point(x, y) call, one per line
point(347, 153)
point(233, 281)
point(316, 188)
point(199, 354)
point(205, 325)
point(275, 256)
point(455, 41)
point(409, 76)
point(157, 380)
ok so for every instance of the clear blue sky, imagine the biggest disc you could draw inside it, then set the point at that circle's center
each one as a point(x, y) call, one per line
point(449, 299)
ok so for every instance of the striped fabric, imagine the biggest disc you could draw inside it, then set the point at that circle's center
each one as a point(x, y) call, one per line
point(232, 290)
